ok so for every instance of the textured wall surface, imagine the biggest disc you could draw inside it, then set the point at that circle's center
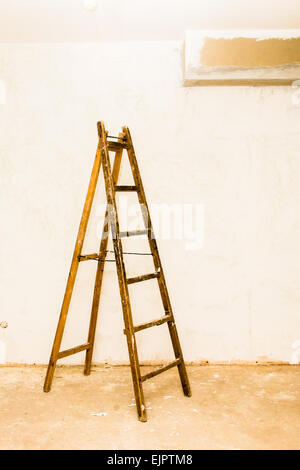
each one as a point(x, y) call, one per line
point(233, 150)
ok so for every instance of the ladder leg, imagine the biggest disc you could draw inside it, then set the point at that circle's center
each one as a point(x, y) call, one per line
point(178, 354)
point(181, 367)
point(130, 336)
point(73, 271)
point(114, 224)
point(136, 375)
point(96, 300)
point(99, 274)
point(171, 325)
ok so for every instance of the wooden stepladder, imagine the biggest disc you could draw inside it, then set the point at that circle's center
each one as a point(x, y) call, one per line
point(123, 141)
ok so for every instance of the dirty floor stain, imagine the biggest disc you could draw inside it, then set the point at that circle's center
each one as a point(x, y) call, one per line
point(240, 407)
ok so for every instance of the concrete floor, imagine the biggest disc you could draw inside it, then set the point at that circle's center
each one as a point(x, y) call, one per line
point(232, 407)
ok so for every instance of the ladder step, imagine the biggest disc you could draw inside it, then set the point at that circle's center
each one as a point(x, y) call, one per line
point(115, 146)
point(69, 352)
point(133, 233)
point(126, 188)
point(160, 370)
point(87, 257)
point(160, 321)
point(144, 277)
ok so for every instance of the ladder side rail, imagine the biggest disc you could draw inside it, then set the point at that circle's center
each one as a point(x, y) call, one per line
point(114, 224)
point(73, 270)
point(100, 269)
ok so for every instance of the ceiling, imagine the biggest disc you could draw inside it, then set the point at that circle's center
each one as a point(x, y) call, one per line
point(133, 20)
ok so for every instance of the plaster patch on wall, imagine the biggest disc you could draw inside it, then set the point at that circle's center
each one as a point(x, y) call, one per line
point(238, 58)
point(248, 52)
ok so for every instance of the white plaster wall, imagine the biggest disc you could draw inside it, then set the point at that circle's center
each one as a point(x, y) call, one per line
point(235, 150)
point(136, 20)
